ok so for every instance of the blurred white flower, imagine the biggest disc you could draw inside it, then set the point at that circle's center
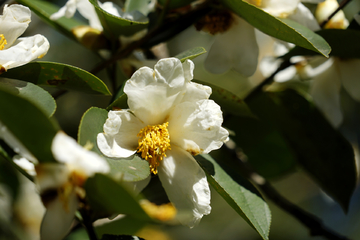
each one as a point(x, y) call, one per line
point(15, 51)
point(170, 119)
point(236, 47)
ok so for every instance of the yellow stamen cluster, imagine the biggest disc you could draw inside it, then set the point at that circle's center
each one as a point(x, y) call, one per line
point(255, 2)
point(163, 212)
point(3, 41)
point(153, 143)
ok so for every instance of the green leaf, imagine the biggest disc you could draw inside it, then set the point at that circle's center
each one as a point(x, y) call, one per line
point(344, 44)
point(115, 26)
point(283, 29)
point(106, 195)
point(191, 53)
point(237, 192)
point(58, 75)
point(127, 225)
point(8, 176)
point(29, 124)
point(322, 151)
point(229, 102)
point(129, 169)
point(45, 9)
point(34, 94)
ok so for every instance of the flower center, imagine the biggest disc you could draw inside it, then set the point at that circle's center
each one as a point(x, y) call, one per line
point(3, 41)
point(215, 22)
point(153, 143)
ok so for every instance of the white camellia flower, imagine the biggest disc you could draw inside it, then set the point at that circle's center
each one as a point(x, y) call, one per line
point(169, 121)
point(60, 184)
point(16, 51)
point(236, 47)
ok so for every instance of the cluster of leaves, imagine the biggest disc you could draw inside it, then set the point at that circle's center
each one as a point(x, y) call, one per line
point(278, 131)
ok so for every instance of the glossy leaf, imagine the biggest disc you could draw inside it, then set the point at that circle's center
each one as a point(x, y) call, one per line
point(344, 44)
point(191, 53)
point(127, 225)
point(29, 124)
point(229, 102)
point(34, 94)
point(106, 195)
point(58, 75)
point(237, 192)
point(116, 26)
point(44, 9)
point(129, 169)
point(322, 151)
point(283, 29)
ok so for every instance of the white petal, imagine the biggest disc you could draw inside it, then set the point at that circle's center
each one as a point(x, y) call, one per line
point(188, 67)
point(186, 186)
point(349, 71)
point(152, 93)
point(237, 48)
point(68, 151)
point(304, 16)
point(68, 10)
point(195, 92)
point(87, 10)
point(120, 134)
point(25, 164)
point(196, 127)
point(23, 51)
point(279, 8)
point(57, 220)
point(325, 9)
point(13, 22)
point(325, 90)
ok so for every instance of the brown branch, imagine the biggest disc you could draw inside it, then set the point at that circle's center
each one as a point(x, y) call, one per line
point(313, 223)
point(341, 6)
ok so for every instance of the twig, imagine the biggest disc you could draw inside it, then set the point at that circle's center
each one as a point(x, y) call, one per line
point(86, 221)
point(313, 223)
point(341, 6)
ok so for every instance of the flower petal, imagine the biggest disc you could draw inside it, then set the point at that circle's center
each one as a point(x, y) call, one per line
point(325, 90)
point(280, 8)
point(195, 92)
point(186, 186)
point(120, 134)
point(237, 48)
point(13, 22)
point(23, 51)
point(87, 10)
point(152, 93)
point(196, 127)
point(68, 151)
point(304, 16)
point(349, 72)
point(68, 10)
point(57, 220)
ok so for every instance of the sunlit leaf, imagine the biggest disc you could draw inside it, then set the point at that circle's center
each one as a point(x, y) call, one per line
point(29, 124)
point(44, 9)
point(283, 29)
point(32, 93)
point(238, 192)
point(115, 26)
point(58, 75)
point(129, 169)
point(191, 53)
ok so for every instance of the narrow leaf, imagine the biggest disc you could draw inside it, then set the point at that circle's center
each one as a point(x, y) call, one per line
point(238, 193)
point(283, 29)
point(191, 53)
point(129, 169)
point(34, 94)
point(127, 225)
point(58, 75)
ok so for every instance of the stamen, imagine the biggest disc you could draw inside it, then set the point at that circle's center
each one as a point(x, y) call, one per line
point(154, 141)
point(3, 41)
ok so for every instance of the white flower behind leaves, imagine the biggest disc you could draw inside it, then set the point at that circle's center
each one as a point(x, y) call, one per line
point(61, 184)
point(15, 51)
point(169, 121)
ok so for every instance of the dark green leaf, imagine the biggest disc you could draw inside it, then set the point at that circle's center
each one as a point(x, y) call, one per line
point(127, 225)
point(230, 103)
point(191, 53)
point(45, 9)
point(175, 3)
point(30, 125)
point(58, 75)
point(8, 176)
point(106, 195)
point(322, 151)
point(238, 192)
point(344, 44)
point(283, 29)
point(34, 94)
point(120, 237)
point(129, 169)
point(115, 26)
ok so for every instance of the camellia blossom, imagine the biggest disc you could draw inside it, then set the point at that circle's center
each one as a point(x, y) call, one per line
point(16, 51)
point(170, 120)
point(235, 46)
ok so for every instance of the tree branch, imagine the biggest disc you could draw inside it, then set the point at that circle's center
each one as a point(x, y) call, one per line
point(313, 223)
